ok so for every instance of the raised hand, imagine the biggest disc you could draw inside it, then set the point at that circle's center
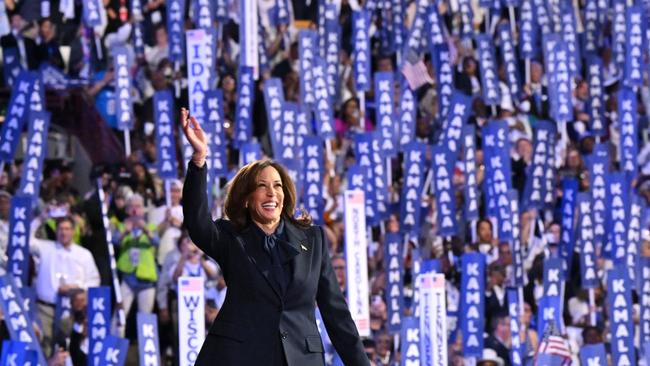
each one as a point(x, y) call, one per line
point(195, 136)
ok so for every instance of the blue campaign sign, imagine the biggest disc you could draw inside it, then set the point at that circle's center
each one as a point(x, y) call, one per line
point(91, 13)
point(274, 101)
point(16, 115)
point(250, 152)
point(441, 59)
point(414, 176)
point(114, 351)
point(214, 121)
point(509, 58)
point(643, 290)
point(598, 169)
point(12, 67)
point(442, 166)
point(307, 51)
point(394, 264)
point(20, 219)
point(586, 242)
point(322, 100)
point(528, 47)
point(567, 207)
point(619, 26)
point(593, 355)
point(487, 61)
point(472, 303)
point(175, 30)
point(148, 346)
point(163, 106)
point(417, 35)
point(471, 193)
point(123, 100)
point(515, 243)
point(496, 148)
point(591, 27)
point(621, 326)
point(596, 96)
point(99, 322)
point(14, 353)
point(434, 26)
point(635, 46)
point(244, 108)
point(385, 113)
point(361, 53)
point(30, 181)
point(332, 51)
point(314, 173)
point(628, 127)
point(410, 341)
point(459, 111)
point(616, 222)
point(407, 115)
point(570, 37)
point(18, 323)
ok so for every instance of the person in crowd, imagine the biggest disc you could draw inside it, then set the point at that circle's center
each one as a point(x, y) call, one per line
point(25, 47)
point(499, 339)
point(48, 49)
point(62, 266)
point(5, 208)
point(168, 220)
point(266, 228)
point(136, 261)
point(487, 244)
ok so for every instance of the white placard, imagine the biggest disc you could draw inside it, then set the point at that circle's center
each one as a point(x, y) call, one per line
point(433, 319)
point(191, 319)
point(356, 254)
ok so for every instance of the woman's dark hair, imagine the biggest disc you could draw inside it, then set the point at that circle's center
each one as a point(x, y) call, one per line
point(245, 183)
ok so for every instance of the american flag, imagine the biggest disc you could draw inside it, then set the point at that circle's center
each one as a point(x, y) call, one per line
point(356, 197)
point(191, 284)
point(553, 350)
point(415, 72)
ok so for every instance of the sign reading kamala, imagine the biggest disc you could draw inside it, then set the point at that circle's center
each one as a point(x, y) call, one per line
point(30, 182)
point(637, 208)
point(17, 321)
point(323, 107)
point(471, 188)
point(384, 113)
point(536, 173)
point(472, 288)
point(515, 243)
point(313, 177)
point(596, 103)
point(516, 351)
point(191, 319)
point(213, 106)
point(148, 346)
point(16, 116)
point(527, 30)
point(635, 46)
point(20, 219)
point(306, 49)
point(441, 57)
point(163, 106)
point(567, 206)
point(586, 243)
point(628, 127)
point(99, 322)
point(274, 100)
point(394, 264)
point(407, 116)
point(12, 66)
point(487, 62)
point(619, 301)
point(175, 28)
point(332, 50)
point(91, 15)
point(570, 37)
point(244, 111)
point(617, 198)
point(619, 28)
point(643, 290)
point(356, 255)
point(361, 54)
point(509, 60)
point(123, 101)
point(363, 151)
point(442, 165)
point(414, 175)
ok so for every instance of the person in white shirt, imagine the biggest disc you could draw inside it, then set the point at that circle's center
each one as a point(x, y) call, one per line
point(168, 220)
point(61, 266)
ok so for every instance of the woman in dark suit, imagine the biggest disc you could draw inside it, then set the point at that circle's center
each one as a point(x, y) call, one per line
point(276, 267)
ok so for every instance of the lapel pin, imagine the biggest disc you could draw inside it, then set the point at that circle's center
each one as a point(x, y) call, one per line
point(303, 247)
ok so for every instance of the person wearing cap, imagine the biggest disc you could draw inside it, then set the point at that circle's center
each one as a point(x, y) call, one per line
point(489, 358)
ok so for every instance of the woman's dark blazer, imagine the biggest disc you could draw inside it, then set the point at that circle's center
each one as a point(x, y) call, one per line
point(256, 324)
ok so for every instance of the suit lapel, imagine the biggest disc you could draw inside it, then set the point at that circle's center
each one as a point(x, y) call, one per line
point(253, 246)
point(297, 245)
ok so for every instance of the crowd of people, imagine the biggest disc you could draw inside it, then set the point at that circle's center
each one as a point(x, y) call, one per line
point(152, 250)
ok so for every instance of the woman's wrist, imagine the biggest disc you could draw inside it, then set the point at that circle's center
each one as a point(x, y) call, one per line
point(198, 159)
